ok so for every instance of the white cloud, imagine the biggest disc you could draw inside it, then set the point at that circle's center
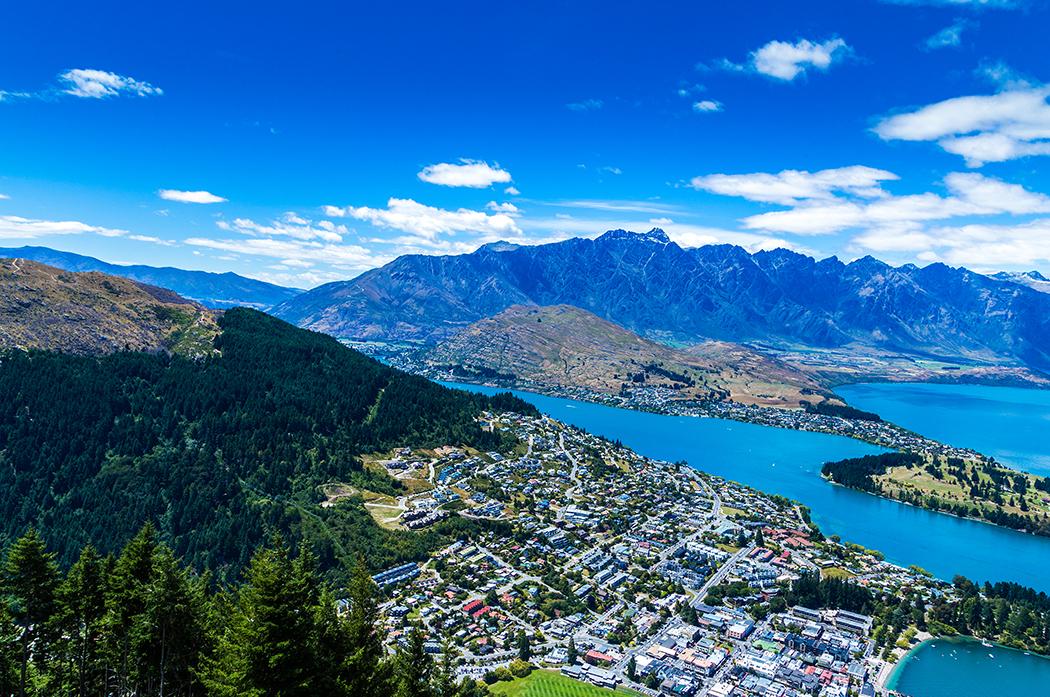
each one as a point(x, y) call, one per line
point(427, 222)
point(980, 128)
point(786, 61)
point(152, 240)
point(469, 173)
point(971, 194)
point(619, 206)
point(189, 196)
point(793, 186)
point(98, 84)
point(511, 191)
point(612, 170)
point(987, 247)
point(289, 225)
point(950, 36)
point(508, 208)
point(14, 227)
point(4, 197)
point(585, 105)
point(706, 106)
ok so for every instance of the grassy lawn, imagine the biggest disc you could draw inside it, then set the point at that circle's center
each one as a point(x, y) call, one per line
point(731, 512)
point(548, 683)
point(835, 572)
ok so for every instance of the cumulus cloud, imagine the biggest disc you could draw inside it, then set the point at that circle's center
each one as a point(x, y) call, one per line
point(511, 191)
point(978, 246)
point(473, 174)
point(189, 196)
point(99, 84)
point(427, 222)
point(508, 208)
point(298, 243)
point(707, 105)
point(786, 61)
point(289, 225)
point(14, 227)
point(792, 186)
point(971, 194)
point(980, 128)
point(949, 37)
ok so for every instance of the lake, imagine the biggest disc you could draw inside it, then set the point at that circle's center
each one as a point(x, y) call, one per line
point(967, 668)
point(788, 462)
point(1010, 424)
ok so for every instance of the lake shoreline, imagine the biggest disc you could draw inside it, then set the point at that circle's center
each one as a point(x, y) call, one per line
point(595, 398)
point(891, 680)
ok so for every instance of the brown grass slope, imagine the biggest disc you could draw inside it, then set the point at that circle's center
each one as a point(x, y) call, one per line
point(564, 346)
point(42, 307)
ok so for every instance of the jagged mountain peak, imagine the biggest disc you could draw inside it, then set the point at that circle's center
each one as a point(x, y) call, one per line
point(717, 292)
point(655, 236)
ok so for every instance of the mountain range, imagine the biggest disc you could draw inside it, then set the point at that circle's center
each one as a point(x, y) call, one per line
point(652, 286)
point(42, 307)
point(563, 346)
point(215, 290)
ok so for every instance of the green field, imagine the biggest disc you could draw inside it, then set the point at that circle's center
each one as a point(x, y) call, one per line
point(548, 683)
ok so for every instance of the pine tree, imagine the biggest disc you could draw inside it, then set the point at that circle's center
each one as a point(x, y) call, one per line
point(573, 653)
point(632, 668)
point(524, 650)
point(367, 671)
point(270, 646)
point(445, 674)
point(413, 667)
point(79, 618)
point(125, 603)
point(31, 578)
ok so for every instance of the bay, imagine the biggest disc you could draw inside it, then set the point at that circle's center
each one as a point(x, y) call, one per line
point(1009, 423)
point(963, 667)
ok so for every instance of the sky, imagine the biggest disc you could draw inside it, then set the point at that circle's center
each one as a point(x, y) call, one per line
point(305, 143)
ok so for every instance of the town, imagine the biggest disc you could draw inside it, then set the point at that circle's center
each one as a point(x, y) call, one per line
point(622, 571)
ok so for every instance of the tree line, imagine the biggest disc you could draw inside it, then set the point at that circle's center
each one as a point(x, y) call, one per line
point(140, 622)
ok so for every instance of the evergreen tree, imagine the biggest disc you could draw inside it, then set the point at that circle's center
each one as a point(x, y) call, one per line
point(270, 645)
point(31, 579)
point(80, 622)
point(524, 650)
point(367, 671)
point(632, 668)
point(413, 667)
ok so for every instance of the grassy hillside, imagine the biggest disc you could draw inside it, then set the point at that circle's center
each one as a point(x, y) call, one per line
point(91, 313)
point(218, 452)
point(564, 346)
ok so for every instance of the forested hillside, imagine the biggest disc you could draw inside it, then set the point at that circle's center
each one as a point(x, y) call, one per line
point(218, 452)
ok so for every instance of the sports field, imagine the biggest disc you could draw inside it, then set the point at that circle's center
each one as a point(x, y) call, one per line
point(548, 683)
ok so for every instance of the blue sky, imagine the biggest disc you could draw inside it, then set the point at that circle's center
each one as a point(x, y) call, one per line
point(304, 144)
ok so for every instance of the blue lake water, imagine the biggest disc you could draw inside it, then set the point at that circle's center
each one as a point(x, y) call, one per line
point(788, 462)
point(966, 668)
point(1010, 424)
